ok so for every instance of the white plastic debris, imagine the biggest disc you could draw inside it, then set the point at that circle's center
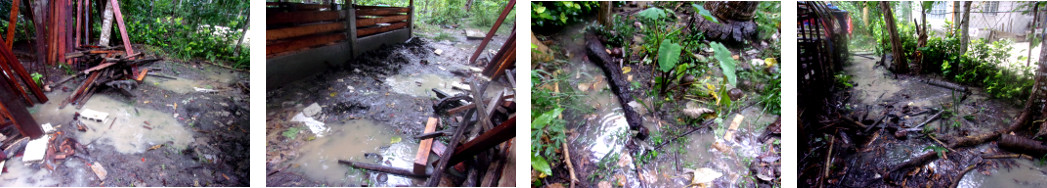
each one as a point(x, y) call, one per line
point(204, 90)
point(99, 170)
point(35, 149)
point(313, 110)
point(93, 115)
point(438, 51)
point(315, 126)
point(48, 128)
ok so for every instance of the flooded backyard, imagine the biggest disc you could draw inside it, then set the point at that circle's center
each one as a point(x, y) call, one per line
point(371, 108)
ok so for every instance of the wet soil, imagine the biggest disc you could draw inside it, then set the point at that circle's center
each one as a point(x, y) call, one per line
point(377, 103)
point(600, 142)
point(862, 158)
point(201, 137)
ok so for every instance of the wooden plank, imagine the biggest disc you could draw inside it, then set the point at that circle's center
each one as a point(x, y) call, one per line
point(381, 11)
point(424, 147)
point(79, 16)
point(505, 56)
point(501, 133)
point(299, 6)
point(20, 71)
point(364, 22)
point(375, 30)
point(483, 44)
point(301, 17)
point(306, 30)
point(293, 45)
point(461, 108)
point(11, 24)
point(141, 75)
point(120, 22)
point(12, 81)
point(21, 117)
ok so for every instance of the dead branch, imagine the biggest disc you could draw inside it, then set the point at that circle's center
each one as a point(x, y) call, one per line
point(380, 168)
point(598, 54)
point(570, 167)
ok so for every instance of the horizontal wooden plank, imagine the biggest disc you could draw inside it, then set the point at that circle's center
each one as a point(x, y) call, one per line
point(375, 30)
point(294, 45)
point(291, 32)
point(303, 17)
point(365, 22)
point(381, 11)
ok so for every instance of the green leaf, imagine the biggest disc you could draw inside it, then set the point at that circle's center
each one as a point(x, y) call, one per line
point(538, 8)
point(705, 13)
point(396, 139)
point(727, 64)
point(668, 55)
point(653, 13)
point(539, 164)
point(545, 118)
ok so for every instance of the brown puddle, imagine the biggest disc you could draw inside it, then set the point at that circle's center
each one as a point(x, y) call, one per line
point(358, 141)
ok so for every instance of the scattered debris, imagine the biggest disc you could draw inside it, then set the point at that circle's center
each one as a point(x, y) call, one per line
point(315, 126)
point(35, 149)
point(93, 115)
point(99, 170)
point(703, 176)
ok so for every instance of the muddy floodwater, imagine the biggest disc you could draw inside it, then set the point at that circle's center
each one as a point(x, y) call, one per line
point(373, 106)
point(161, 133)
point(357, 140)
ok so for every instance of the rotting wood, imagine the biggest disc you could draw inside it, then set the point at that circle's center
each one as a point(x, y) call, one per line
point(380, 168)
point(930, 119)
point(956, 181)
point(434, 180)
point(429, 135)
point(1022, 145)
point(598, 55)
point(487, 140)
point(946, 85)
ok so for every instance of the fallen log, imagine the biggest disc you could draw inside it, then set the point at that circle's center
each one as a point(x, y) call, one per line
point(598, 54)
point(947, 85)
point(1022, 145)
point(380, 168)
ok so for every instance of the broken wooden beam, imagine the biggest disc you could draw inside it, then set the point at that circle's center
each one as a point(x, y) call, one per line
point(422, 158)
point(441, 166)
point(487, 140)
point(380, 168)
point(483, 44)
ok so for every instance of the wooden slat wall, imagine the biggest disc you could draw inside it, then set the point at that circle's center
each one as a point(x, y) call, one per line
point(296, 26)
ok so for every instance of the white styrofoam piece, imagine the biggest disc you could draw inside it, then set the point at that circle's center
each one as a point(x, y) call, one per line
point(35, 149)
point(317, 127)
point(48, 128)
point(93, 115)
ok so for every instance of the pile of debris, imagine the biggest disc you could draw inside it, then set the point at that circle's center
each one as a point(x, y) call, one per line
point(111, 67)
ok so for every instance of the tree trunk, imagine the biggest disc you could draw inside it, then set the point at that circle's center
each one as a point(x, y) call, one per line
point(896, 42)
point(921, 41)
point(1032, 31)
point(956, 16)
point(604, 14)
point(964, 25)
point(243, 33)
point(1034, 105)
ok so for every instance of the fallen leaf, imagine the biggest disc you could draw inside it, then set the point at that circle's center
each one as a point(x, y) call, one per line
point(626, 70)
point(156, 147)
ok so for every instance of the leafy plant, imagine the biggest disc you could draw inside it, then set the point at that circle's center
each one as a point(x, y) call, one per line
point(705, 13)
point(727, 64)
point(560, 13)
point(668, 55)
point(37, 78)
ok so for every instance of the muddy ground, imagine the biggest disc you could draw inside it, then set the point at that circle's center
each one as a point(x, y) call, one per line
point(862, 158)
point(373, 105)
point(203, 137)
point(602, 148)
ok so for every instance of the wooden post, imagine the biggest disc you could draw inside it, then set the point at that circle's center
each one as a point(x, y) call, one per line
point(21, 117)
point(123, 30)
point(410, 19)
point(11, 24)
point(424, 147)
point(483, 44)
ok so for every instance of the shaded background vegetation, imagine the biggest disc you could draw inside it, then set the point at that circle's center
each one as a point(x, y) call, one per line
point(203, 30)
